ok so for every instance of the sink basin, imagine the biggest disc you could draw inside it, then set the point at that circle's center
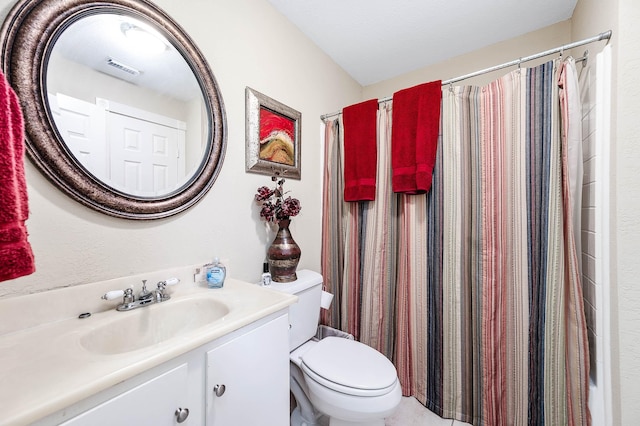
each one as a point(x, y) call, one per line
point(153, 324)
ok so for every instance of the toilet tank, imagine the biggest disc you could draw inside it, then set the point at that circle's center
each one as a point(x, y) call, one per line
point(305, 314)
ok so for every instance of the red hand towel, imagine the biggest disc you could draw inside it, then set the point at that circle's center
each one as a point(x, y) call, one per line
point(414, 136)
point(16, 256)
point(360, 150)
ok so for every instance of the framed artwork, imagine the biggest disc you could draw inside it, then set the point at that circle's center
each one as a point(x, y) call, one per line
point(272, 136)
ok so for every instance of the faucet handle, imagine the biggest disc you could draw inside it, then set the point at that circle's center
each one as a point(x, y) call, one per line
point(169, 281)
point(114, 294)
point(161, 296)
point(126, 294)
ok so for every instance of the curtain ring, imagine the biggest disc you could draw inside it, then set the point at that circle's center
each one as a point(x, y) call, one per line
point(450, 87)
point(585, 58)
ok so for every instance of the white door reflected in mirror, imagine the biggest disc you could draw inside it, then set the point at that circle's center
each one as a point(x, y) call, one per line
point(134, 117)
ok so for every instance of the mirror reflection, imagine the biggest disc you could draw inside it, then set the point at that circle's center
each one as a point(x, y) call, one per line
point(127, 105)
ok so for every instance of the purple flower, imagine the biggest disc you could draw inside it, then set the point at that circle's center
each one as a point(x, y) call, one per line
point(264, 193)
point(274, 206)
point(291, 207)
point(267, 212)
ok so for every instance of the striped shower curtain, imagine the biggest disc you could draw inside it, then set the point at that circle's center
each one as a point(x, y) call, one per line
point(472, 289)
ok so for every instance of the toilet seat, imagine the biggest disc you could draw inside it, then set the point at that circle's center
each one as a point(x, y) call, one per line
point(349, 367)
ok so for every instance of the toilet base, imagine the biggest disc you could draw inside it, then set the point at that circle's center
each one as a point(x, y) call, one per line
point(297, 419)
point(322, 420)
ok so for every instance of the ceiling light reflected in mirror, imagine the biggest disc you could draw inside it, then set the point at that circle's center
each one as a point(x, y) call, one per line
point(143, 38)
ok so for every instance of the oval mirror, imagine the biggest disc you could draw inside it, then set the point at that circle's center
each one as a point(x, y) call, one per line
point(122, 111)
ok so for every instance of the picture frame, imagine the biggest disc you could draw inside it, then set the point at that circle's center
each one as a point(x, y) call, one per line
point(272, 133)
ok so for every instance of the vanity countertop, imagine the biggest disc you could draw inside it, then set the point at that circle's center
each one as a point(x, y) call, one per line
point(44, 368)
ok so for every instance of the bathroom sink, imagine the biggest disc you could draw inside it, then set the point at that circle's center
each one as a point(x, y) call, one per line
point(153, 324)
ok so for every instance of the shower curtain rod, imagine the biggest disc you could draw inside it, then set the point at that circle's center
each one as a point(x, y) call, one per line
point(602, 36)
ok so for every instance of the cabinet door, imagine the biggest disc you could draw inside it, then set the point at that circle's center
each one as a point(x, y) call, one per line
point(254, 370)
point(153, 403)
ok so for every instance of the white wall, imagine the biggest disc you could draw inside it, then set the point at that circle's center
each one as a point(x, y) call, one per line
point(247, 43)
point(88, 84)
point(626, 222)
point(527, 44)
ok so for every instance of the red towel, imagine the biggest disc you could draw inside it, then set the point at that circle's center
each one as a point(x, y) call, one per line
point(16, 257)
point(360, 150)
point(414, 136)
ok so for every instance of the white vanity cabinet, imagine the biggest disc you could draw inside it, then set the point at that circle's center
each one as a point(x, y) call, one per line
point(151, 403)
point(248, 378)
point(252, 363)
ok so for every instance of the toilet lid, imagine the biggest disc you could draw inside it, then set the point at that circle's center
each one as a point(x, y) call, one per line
point(349, 367)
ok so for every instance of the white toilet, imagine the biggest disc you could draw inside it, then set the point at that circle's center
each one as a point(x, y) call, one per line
point(340, 379)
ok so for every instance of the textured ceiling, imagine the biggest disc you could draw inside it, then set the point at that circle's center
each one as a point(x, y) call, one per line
point(374, 40)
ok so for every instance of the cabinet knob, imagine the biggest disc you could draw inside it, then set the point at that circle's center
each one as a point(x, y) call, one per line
point(219, 390)
point(182, 414)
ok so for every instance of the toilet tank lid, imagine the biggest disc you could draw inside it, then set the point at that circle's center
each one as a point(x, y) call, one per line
point(306, 279)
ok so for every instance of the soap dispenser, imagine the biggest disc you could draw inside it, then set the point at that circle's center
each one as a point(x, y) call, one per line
point(216, 273)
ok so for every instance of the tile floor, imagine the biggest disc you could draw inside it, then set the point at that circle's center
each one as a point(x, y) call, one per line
point(409, 413)
point(413, 413)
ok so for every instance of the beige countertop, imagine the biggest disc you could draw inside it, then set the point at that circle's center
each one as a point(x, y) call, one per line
point(45, 368)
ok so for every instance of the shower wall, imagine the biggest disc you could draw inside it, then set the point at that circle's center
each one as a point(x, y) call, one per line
point(595, 88)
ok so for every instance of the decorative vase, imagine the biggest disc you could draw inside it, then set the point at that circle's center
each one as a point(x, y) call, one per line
point(283, 255)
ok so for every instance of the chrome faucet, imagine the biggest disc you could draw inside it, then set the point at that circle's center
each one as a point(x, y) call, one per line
point(144, 293)
point(145, 297)
point(160, 294)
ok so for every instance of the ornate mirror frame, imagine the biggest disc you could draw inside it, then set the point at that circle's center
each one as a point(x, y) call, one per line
point(27, 37)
